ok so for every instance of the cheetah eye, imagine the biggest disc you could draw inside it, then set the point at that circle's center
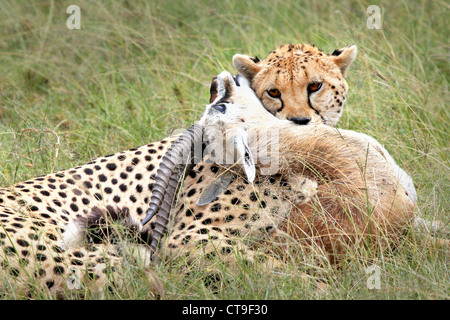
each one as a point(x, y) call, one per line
point(274, 93)
point(315, 86)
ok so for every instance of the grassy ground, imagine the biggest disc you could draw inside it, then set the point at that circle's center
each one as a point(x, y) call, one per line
point(137, 71)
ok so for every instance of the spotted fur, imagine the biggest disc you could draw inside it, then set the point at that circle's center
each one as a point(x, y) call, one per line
point(35, 214)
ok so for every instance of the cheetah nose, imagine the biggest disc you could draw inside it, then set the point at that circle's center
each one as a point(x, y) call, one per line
point(298, 120)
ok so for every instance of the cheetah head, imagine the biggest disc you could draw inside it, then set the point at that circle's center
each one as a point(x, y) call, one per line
point(299, 82)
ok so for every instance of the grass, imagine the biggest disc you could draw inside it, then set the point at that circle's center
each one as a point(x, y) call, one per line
point(137, 71)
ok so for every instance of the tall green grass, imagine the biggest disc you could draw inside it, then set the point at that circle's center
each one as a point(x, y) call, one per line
point(137, 71)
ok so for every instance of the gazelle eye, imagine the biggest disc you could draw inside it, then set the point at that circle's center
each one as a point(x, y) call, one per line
point(274, 93)
point(220, 107)
point(315, 86)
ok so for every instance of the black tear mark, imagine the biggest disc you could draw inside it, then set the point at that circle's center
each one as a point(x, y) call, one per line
point(282, 105)
point(318, 113)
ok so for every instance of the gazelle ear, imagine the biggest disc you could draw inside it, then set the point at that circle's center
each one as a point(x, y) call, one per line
point(213, 90)
point(246, 65)
point(344, 57)
point(215, 188)
point(244, 155)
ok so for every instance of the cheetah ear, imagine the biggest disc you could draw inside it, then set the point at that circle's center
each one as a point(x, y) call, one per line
point(344, 57)
point(246, 65)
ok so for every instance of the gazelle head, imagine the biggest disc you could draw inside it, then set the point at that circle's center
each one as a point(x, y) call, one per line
point(233, 107)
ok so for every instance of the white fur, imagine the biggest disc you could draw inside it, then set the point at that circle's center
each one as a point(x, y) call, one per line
point(72, 237)
point(405, 180)
point(222, 128)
